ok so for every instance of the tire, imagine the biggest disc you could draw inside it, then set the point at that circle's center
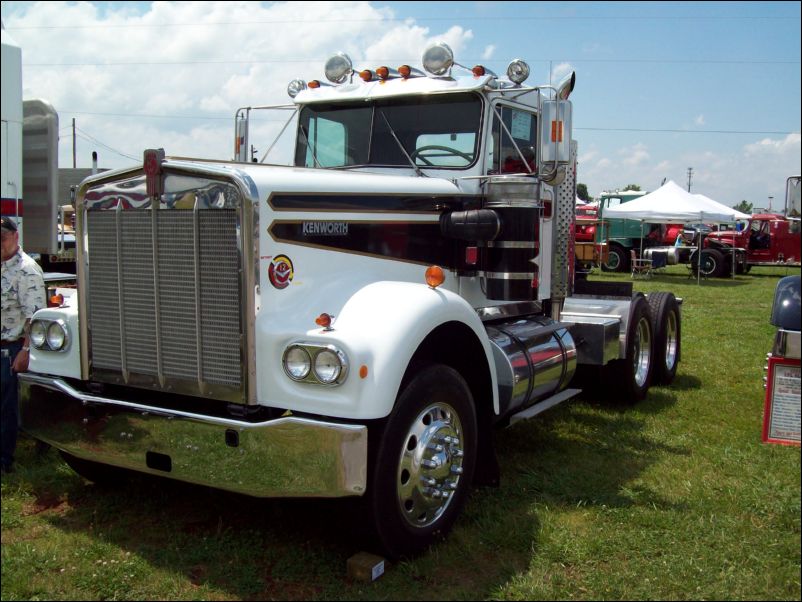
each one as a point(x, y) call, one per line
point(628, 379)
point(617, 261)
point(101, 474)
point(712, 263)
point(667, 331)
point(424, 463)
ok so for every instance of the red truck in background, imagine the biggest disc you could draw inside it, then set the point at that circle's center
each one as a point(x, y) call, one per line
point(765, 238)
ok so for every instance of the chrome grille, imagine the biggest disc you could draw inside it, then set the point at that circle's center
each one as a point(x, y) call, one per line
point(175, 318)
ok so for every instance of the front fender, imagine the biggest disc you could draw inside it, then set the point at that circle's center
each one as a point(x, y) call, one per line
point(379, 327)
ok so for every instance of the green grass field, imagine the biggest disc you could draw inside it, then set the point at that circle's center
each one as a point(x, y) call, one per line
point(675, 498)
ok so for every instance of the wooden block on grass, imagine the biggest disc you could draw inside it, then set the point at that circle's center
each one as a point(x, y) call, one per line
point(365, 567)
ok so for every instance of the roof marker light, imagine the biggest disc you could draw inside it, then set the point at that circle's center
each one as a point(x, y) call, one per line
point(405, 71)
point(314, 84)
point(438, 59)
point(383, 73)
point(338, 68)
point(478, 71)
point(366, 75)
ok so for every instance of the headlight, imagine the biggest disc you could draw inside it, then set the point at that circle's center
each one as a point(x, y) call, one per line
point(315, 364)
point(56, 336)
point(327, 366)
point(297, 363)
point(38, 333)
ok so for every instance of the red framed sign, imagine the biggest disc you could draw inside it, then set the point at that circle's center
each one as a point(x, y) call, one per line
point(781, 415)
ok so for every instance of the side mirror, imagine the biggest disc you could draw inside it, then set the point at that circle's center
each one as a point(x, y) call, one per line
point(555, 136)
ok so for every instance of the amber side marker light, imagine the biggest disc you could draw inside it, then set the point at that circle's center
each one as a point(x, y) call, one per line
point(324, 321)
point(363, 371)
point(56, 301)
point(435, 276)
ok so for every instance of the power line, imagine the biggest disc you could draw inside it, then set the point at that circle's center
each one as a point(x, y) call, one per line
point(89, 138)
point(672, 131)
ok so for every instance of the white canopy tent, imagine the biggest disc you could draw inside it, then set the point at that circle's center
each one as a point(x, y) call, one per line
point(671, 204)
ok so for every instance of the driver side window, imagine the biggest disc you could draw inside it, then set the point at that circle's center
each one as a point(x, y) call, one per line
point(522, 125)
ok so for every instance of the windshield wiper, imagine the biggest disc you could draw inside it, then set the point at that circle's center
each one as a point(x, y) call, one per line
point(401, 146)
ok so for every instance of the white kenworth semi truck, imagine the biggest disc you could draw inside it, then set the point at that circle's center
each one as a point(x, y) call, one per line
point(352, 325)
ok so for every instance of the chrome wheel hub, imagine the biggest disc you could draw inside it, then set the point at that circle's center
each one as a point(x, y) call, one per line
point(430, 465)
point(643, 351)
point(672, 340)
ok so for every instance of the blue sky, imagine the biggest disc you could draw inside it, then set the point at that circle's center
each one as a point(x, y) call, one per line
point(661, 86)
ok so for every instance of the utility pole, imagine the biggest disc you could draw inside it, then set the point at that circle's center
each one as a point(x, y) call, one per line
point(690, 176)
point(771, 198)
point(73, 142)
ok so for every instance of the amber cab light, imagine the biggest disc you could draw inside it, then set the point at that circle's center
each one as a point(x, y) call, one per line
point(383, 73)
point(313, 84)
point(366, 75)
point(435, 276)
point(405, 71)
point(478, 70)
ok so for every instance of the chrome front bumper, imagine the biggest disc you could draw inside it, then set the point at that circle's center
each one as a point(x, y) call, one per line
point(285, 457)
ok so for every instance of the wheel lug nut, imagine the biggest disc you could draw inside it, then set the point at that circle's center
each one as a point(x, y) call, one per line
point(430, 463)
point(456, 470)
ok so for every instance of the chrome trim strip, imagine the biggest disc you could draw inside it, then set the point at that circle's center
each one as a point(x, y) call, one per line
point(510, 244)
point(284, 457)
point(508, 275)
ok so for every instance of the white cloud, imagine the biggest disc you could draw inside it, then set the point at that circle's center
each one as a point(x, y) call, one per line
point(179, 61)
point(635, 155)
point(768, 146)
point(488, 52)
point(700, 120)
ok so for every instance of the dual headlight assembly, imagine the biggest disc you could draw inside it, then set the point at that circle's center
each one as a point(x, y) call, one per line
point(49, 334)
point(315, 364)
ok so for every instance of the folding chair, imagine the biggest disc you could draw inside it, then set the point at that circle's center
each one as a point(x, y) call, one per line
point(641, 268)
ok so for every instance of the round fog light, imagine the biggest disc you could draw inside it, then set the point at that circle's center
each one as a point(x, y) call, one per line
point(327, 366)
point(38, 334)
point(297, 363)
point(56, 336)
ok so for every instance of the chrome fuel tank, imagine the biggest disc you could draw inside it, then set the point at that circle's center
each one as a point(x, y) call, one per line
point(535, 358)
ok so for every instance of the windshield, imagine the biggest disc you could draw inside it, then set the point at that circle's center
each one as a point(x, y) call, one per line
point(435, 131)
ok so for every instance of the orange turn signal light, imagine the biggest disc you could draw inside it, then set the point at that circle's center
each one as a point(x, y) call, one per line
point(435, 276)
point(324, 321)
point(56, 301)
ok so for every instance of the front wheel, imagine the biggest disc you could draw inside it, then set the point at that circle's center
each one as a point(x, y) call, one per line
point(424, 463)
point(617, 260)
